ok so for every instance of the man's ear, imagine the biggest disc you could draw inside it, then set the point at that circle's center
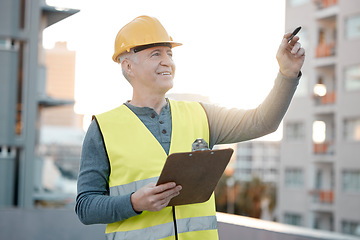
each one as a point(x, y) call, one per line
point(126, 65)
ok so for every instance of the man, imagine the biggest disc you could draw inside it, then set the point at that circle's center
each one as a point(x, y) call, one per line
point(124, 149)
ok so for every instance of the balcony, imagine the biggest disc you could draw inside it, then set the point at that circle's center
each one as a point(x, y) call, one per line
point(321, 4)
point(323, 134)
point(323, 196)
point(324, 89)
point(328, 99)
point(324, 148)
point(325, 50)
point(324, 158)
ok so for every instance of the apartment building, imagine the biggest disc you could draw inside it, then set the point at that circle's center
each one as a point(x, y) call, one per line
point(257, 159)
point(320, 153)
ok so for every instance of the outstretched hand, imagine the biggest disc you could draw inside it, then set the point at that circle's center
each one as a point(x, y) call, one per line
point(154, 198)
point(290, 56)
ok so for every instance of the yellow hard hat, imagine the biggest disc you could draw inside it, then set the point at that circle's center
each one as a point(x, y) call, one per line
point(141, 31)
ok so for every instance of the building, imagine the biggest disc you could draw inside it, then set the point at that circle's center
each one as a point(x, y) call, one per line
point(250, 180)
point(22, 94)
point(257, 159)
point(320, 153)
point(23, 97)
point(61, 131)
point(60, 84)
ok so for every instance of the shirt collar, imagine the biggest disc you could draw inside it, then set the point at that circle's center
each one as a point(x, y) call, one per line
point(146, 110)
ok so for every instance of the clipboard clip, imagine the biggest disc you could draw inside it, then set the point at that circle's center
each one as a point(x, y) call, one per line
point(200, 145)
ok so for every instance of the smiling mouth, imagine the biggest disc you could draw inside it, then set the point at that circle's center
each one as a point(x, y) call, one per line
point(165, 73)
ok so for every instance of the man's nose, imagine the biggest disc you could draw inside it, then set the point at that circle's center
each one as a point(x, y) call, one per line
point(166, 60)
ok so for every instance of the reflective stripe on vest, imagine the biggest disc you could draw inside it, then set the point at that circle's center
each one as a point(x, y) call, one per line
point(167, 229)
point(123, 190)
point(138, 159)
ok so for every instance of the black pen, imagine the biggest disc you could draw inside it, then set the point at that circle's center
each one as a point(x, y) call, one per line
point(294, 33)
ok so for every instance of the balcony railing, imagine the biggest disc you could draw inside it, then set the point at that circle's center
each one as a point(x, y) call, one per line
point(329, 98)
point(325, 50)
point(322, 196)
point(324, 148)
point(325, 3)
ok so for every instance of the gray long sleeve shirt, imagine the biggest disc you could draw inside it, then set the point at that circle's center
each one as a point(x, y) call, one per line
point(93, 203)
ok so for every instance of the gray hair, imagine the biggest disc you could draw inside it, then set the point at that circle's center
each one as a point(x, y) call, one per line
point(126, 55)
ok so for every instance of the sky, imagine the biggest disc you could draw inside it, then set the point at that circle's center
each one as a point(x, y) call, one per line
point(228, 51)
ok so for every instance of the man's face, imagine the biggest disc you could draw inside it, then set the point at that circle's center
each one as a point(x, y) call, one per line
point(154, 69)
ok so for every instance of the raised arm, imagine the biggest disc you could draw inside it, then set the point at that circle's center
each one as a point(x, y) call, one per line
point(236, 125)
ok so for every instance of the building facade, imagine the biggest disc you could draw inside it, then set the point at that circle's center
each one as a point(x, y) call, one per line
point(320, 153)
point(257, 159)
point(61, 131)
point(22, 94)
point(60, 84)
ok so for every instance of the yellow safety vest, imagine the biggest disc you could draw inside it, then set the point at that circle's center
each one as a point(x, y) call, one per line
point(137, 158)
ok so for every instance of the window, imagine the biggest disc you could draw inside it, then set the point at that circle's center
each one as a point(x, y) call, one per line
point(352, 78)
point(5, 43)
point(351, 181)
point(244, 149)
point(319, 132)
point(350, 227)
point(352, 27)
point(352, 129)
point(295, 131)
point(293, 219)
point(294, 178)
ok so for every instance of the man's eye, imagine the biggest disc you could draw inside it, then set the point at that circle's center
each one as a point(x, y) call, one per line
point(155, 54)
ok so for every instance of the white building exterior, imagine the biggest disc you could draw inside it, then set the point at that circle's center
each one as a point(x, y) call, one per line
point(320, 154)
point(257, 159)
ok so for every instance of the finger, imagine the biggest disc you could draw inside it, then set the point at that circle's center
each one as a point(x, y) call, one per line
point(176, 193)
point(296, 48)
point(164, 202)
point(294, 40)
point(170, 193)
point(163, 187)
point(287, 35)
point(300, 53)
point(285, 42)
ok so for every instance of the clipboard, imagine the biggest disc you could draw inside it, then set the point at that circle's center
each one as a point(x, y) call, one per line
point(197, 172)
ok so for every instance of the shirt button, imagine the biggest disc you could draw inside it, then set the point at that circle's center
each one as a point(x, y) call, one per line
point(153, 115)
point(161, 122)
point(163, 131)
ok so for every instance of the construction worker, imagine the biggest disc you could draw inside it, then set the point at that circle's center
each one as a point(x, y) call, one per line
point(125, 149)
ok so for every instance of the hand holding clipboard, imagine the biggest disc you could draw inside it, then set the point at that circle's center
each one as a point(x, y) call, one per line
point(197, 172)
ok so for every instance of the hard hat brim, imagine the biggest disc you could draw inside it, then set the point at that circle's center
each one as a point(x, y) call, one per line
point(154, 44)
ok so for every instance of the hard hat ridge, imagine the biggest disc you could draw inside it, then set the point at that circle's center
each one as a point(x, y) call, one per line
point(141, 31)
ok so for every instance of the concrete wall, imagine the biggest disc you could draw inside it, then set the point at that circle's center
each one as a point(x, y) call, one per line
point(46, 224)
point(63, 224)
